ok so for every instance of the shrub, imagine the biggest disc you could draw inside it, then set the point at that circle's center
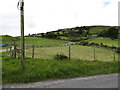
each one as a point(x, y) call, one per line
point(118, 50)
point(60, 57)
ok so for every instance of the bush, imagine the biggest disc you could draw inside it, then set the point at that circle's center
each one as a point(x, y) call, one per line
point(60, 57)
point(118, 50)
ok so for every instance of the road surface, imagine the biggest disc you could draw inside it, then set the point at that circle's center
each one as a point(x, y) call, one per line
point(98, 81)
point(4, 50)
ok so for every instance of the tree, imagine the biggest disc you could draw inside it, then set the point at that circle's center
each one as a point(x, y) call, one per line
point(51, 35)
point(58, 33)
point(42, 34)
point(28, 34)
point(111, 32)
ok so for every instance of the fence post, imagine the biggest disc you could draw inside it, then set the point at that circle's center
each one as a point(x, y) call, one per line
point(33, 51)
point(10, 51)
point(15, 50)
point(113, 53)
point(6, 49)
point(94, 54)
point(69, 52)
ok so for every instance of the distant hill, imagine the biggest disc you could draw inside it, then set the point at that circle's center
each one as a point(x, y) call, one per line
point(82, 31)
point(92, 29)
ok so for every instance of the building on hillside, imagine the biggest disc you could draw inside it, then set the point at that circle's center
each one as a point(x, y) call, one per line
point(94, 35)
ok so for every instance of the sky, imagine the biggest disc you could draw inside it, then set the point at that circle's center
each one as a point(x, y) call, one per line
point(49, 15)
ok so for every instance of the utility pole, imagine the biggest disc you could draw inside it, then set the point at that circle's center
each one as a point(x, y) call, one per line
point(21, 8)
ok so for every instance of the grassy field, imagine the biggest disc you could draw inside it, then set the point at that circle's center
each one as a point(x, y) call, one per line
point(105, 41)
point(77, 52)
point(29, 41)
point(96, 30)
point(9, 39)
point(44, 66)
point(42, 42)
point(43, 69)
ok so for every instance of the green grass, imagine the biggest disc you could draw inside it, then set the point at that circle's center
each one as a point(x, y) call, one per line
point(43, 69)
point(105, 41)
point(64, 37)
point(77, 52)
point(9, 39)
point(29, 41)
point(42, 41)
point(96, 30)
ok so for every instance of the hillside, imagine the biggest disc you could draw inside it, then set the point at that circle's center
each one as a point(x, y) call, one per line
point(80, 33)
point(29, 41)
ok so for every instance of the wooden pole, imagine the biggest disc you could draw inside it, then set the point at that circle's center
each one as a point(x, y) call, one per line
point(15, 50)
point(33, 51)
point(113, 53)
point(22, 32)
point(10, 51)
point(6, 49)
point(94, 54)
point(69, 52)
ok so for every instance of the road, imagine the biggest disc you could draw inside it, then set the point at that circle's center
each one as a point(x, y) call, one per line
point(98, 81)
point(3, 50)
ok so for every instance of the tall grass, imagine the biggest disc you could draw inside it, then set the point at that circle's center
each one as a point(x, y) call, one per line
point(42, 69)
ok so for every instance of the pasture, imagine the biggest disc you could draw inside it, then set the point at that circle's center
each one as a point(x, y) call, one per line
point(42, 42)
point(43, 66)
point(104, 40)
point(96, 30)
point(77, 52)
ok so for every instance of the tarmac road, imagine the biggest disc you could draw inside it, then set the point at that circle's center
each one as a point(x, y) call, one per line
point(97, 81)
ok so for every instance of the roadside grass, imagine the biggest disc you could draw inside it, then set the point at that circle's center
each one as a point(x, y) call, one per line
point(44, 69)
point(77, 52)
point(104, 40)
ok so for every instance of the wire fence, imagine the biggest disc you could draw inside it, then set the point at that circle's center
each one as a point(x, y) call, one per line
point(92, 53)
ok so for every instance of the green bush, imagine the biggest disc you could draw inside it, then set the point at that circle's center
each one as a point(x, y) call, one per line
point(60, 57)
point(118, 50)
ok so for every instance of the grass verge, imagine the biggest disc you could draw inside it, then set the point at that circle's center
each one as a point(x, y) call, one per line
point(43, 69)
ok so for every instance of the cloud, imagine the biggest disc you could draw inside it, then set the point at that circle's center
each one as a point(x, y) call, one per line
point(48, 15)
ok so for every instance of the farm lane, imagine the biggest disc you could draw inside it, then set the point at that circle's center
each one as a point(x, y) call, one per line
point(98, 81)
